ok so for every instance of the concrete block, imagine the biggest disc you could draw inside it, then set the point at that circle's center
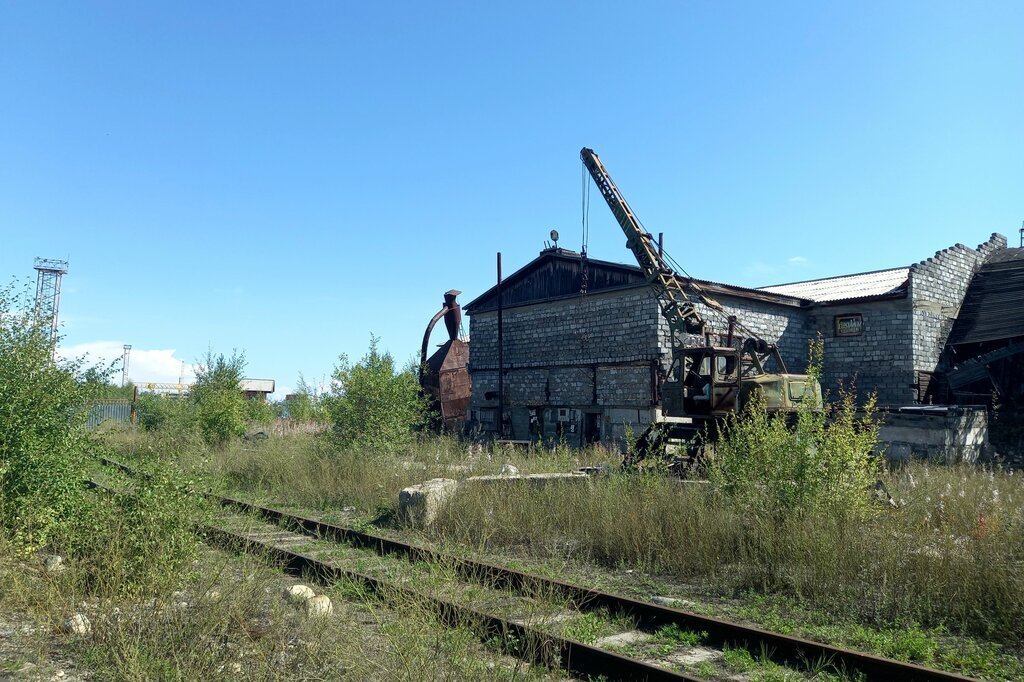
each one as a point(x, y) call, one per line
point(420, 504)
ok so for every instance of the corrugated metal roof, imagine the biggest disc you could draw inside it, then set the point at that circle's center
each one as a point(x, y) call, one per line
point(992, 308)
point(861, 285)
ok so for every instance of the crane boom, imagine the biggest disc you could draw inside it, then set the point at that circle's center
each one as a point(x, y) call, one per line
point(679, 311)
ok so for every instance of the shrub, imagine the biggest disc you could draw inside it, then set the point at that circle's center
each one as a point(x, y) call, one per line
point(826, 459)
point(42, 436)
point(218, 404)
point(154, 412)
point(305, 404)
point(259, 412)
point(372, 405)
point(140, 541)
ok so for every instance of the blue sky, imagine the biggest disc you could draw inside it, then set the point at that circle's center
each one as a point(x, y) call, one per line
point(289, 178)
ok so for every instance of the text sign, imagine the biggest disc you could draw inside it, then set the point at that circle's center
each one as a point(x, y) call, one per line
point(849, 325)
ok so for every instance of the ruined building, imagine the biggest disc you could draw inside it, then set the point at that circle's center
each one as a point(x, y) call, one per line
point(587, 366)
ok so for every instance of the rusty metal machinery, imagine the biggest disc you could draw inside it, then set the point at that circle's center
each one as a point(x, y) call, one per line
point(444, 376)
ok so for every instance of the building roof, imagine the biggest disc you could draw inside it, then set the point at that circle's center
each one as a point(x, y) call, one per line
point(876, 284)
point(992, 308)
point(556, 274)
point(257, 385)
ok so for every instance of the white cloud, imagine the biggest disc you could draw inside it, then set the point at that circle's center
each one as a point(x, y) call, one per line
point(144, 365)
point(798, 260)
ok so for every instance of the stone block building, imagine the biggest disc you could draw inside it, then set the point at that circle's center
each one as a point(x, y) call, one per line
point(586, 365)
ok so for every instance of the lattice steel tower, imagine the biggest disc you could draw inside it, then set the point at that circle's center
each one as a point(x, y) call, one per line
point(48, 291)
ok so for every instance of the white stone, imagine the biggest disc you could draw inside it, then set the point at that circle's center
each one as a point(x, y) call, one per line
point(54, 563)
point(509, 470)
point(420, 504)
point(298, 594)
point(78, 624)
point(623, 638)
point(319, 607)
point(695, 656)
point(671, 602)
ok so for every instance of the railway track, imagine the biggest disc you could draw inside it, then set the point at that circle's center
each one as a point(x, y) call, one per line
point(329, 552)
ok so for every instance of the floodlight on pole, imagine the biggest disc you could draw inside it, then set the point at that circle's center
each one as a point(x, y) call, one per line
point(47, 306)
point(124, 364)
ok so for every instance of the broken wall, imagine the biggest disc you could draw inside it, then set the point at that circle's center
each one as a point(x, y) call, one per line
point(937, 288)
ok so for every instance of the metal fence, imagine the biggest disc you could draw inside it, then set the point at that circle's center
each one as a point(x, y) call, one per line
point(118, 411)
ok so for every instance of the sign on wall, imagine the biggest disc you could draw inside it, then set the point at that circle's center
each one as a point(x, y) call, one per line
point(849, 325)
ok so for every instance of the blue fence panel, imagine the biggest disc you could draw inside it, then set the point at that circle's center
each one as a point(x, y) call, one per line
point(119, 411)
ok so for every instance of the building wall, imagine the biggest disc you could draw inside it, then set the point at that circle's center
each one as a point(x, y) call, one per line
point(783, 325)
point(594, 355)
point(879, 359)
point(937, 288)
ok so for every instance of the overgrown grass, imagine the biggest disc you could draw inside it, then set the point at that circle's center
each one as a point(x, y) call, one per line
point(228, 620)
point(310, 470)
point(951, 557)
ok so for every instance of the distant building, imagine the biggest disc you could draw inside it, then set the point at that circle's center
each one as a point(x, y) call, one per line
point(256, 388)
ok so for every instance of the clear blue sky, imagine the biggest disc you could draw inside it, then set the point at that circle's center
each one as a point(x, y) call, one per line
point(288, 178)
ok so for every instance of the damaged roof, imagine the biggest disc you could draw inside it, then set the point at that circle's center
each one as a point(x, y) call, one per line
point(891, 283)
point(992, 308)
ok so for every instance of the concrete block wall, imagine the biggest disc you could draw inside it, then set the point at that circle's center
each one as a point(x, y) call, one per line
point(947, 436)
point(592, 354)
point(571, 385)
point(598, 328)
point(880, 359)
point(628, 386)
point(937, 288)
point(784, 325)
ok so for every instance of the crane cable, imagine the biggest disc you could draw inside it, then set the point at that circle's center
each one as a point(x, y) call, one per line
point(585, 217)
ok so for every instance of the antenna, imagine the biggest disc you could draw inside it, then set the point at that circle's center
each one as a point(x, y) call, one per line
point(554, 237)
point(124, 364)
point(1022, 234)
point(48, 291)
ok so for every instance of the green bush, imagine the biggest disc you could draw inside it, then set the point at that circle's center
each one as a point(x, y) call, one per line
point(372, 405)
point(140, 541)
point(154, 412)
point(826, 459)
point(259, 412)
point(305, 404)
point(42, 436)
point(218, 405)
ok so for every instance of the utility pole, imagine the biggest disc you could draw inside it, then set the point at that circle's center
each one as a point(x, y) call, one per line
point(501, 360)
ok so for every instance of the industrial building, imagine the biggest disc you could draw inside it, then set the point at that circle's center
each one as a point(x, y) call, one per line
point(586, 347)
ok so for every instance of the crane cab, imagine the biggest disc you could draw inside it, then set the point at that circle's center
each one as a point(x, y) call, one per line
point(710, 381)
point(703, 381)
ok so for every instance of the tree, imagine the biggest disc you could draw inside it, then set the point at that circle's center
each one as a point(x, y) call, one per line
point(42, 436)
point(373, 406)
point(218, 403)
